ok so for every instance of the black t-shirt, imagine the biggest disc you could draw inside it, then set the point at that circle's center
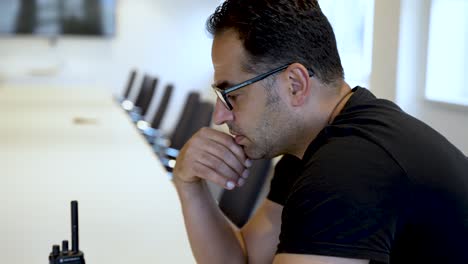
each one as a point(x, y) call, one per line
point(375, 184)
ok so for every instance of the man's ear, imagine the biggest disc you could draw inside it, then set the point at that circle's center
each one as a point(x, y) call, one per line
point(298, 84)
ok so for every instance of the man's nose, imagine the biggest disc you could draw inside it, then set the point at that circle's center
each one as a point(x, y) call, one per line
point(221, 114)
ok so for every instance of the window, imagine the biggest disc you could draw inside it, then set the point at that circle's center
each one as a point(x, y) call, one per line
point(446, 75)
point(352, 22)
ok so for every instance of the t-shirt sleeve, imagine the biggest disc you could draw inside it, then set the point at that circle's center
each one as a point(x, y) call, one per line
point(286, 171)
point(346, 203)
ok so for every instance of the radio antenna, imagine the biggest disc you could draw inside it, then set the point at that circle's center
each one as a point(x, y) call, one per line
point(74, 226)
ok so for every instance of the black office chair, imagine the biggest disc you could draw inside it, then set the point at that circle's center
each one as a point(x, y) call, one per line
point(238, 204)
point(128, 88)
point(189, 125)
point(148, 87)
point(200, 117)
point(130, 82)
point(160, 140)
point(162, 107)
point(152, 131)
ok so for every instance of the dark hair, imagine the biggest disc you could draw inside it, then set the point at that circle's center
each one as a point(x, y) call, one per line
point(276, 32)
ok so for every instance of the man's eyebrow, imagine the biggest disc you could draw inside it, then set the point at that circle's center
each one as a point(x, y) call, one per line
point(223, 85)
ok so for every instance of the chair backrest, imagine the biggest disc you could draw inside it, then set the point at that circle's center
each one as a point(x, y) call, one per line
point(131, 80)
point(162, 107)
point(239, 203)
point(148, 87)
point(191, 104)
point(200, 117)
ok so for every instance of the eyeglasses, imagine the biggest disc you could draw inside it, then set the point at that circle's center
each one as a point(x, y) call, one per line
point(223, 93)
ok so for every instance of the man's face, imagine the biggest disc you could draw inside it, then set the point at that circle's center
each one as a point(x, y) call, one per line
point(256, 115)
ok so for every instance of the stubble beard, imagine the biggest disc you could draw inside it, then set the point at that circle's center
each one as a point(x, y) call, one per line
point(268, 138)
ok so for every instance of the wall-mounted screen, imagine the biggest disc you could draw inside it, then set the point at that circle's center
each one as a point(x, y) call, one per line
point(57, 17)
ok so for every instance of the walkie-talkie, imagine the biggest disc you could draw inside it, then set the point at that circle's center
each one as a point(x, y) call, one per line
point(66, 256)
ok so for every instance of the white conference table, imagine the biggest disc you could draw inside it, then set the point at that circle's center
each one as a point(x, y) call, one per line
point(58, 145)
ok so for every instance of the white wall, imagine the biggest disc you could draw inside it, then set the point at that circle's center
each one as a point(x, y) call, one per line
point(385, 48)
point(163, 38)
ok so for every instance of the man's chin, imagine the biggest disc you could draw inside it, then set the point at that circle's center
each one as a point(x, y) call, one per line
point(254, 154)
point(249, 152)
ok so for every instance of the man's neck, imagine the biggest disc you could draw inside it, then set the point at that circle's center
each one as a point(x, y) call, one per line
point(331, 109)
point(344, 95)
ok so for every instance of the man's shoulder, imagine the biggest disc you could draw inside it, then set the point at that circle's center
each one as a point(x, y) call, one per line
point(343, 150)
point(350, 164)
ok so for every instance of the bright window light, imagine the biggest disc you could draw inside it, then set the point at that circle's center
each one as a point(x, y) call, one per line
point(448, 52)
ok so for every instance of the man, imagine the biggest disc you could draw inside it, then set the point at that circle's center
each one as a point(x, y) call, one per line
point(360, 181)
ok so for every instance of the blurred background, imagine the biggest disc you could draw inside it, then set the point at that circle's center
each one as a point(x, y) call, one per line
point(412, 52)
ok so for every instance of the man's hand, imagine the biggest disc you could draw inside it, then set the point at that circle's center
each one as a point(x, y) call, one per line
point(214, 156)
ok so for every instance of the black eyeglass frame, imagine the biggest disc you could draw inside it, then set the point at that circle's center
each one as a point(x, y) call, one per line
point(222, 93)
